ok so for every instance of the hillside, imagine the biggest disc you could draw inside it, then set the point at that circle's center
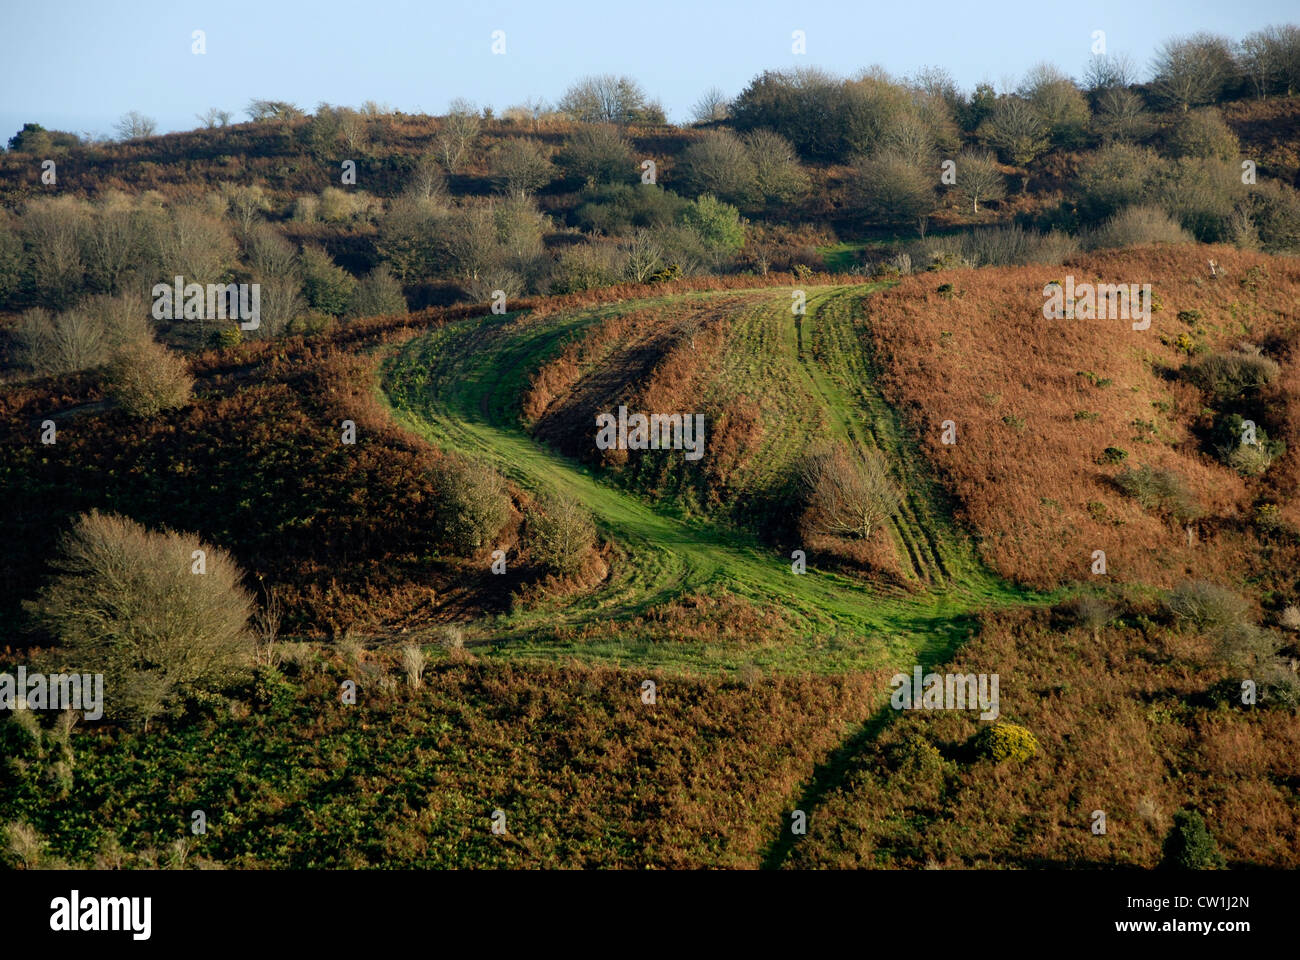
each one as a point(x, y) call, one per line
point(560, 487)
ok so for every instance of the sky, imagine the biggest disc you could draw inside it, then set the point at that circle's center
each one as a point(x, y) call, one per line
point(80, 64)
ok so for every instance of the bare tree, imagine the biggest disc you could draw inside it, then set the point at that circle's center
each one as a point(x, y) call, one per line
point(1018, 131)
point(520, 167)
point(848, 494)
point(644, 256)
point(605, 99)
point(134, 125)
point(126, 603)
point(259, 110)
point(1121, 115)
point(777, 173)
point(1191, 71)
point(212, 117)
point(457, 133)
point(718, 163)
point(1271, 59)
point(711, 106)
point(1106, 71)
point(978, 178)
point(246, 204)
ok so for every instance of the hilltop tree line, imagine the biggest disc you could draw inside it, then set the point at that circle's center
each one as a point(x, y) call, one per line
point(578, 196)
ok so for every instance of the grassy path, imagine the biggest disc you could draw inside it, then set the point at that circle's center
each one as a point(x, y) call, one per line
point(459, 388)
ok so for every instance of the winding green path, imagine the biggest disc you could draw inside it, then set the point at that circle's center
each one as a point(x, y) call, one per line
point(459, 388)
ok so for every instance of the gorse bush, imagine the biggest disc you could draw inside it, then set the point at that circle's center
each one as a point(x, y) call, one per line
point(1235, 446)
point(1189, 844)
point(130, 603)
point(1004, 741)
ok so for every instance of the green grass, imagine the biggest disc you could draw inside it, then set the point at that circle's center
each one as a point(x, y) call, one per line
point(459, 388)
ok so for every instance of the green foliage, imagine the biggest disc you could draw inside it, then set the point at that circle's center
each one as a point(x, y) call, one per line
point(1190, 846)
point(1000, 742)
point(225, 337)
point(327, 286)
point(33, 138)
point(1230, 444)
point(917, 756)
point(619, 207)
point(717, 224)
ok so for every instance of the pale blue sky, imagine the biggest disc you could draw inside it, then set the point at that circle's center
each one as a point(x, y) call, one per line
point(80, 64)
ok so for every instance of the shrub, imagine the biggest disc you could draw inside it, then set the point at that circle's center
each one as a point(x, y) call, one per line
point(1004, 741)
point(1289, 618)
point(520, 167)
point(719, 164)
point(1232, 374)
point(1190, 846)
point(1115, 176)
point(327, 286)
point(145, 378)
point(1161, 490)
point(473, 505)
point(1207, 606)
point(891, 189)
point(587, 267)
point(1092, 612)
point(126, 604)
point(58, 344)
point(1202, 133)
point(917, 755)
point(1250, 652)
point(598, 154)
point(614, 208)
point(1231, 446)
point(1138, 226)
point(717, 224)
point(560, 535)
point(377, 293)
